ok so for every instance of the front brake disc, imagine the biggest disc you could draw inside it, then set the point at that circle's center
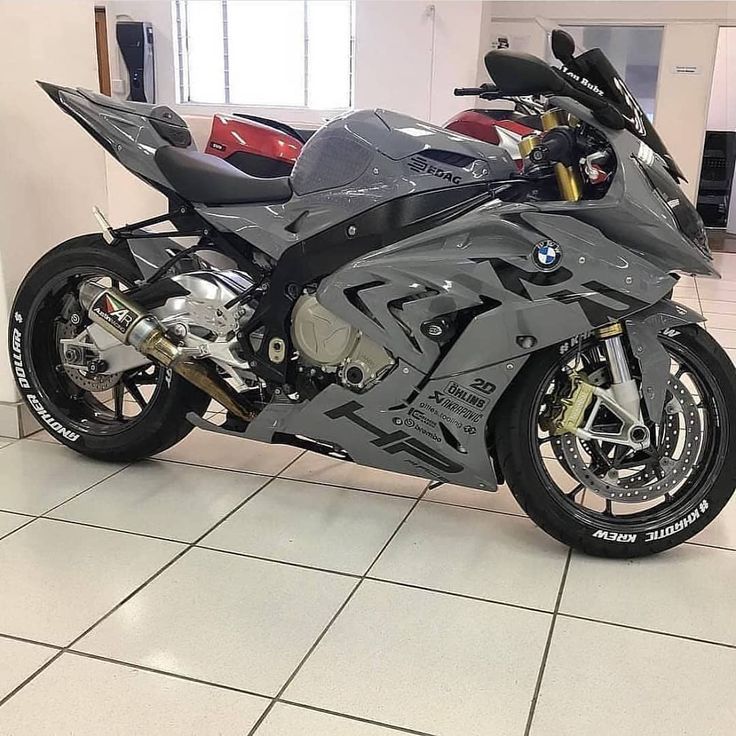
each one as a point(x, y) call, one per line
point(680, 432)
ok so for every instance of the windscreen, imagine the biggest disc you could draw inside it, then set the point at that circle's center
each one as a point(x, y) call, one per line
point(597, 75)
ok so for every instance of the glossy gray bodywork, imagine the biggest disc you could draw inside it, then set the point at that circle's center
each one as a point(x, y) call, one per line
point(451, 268)
point(427, 416)
point(391, 143)
point(125, 127)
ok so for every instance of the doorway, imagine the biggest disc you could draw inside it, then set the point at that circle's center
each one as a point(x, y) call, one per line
point(103, 56)
point(716, 196)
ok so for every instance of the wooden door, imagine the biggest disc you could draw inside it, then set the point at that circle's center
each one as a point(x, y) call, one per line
point(103, 56)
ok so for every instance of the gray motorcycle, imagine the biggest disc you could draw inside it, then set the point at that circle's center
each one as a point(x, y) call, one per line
point(408, 300)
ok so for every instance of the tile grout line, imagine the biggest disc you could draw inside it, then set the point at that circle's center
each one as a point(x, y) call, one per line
point(387, 581)
point(35, 517)
point(454, 594)
point(130, 595)
point(359, 719)
point(697, 294)
point(645, 630)
point(334, 618)
point(89, 488)
point(547, 646)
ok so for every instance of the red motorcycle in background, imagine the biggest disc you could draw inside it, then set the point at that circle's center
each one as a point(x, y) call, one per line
point(268, 148)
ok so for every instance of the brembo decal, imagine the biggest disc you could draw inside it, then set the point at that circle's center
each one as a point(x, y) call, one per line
point(418, 425)
point(113, 312)
point(422, 166)
point(394, 442)
point(33, 400)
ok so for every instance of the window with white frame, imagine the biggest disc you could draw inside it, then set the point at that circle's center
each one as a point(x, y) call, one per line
point(276, 53)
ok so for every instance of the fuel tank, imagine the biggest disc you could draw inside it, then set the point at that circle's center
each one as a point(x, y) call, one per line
point(359, 161)
point(371, 145)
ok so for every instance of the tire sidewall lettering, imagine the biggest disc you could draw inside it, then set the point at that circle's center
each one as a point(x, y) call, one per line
point(656, 535)
point(27, 390)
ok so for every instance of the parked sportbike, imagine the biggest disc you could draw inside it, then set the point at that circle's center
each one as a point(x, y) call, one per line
point(408, 300)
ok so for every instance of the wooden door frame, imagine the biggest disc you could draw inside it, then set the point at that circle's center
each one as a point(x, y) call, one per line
point(103, 53)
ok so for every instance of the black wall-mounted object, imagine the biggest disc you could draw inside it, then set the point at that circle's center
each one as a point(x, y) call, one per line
point(135, 39)
point(716, 177)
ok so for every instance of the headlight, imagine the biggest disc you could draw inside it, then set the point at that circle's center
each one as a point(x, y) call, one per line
point(688, 220)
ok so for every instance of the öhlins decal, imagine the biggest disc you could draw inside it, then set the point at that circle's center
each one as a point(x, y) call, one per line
point(395, 442)
point(466, 395)
point(454, 405)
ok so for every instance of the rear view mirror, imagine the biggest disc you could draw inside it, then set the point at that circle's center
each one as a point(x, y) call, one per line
point(515, 73)
point(563, 46)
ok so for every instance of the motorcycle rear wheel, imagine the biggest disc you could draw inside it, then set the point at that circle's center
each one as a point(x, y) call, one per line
point(564, 505)
point(141, 413)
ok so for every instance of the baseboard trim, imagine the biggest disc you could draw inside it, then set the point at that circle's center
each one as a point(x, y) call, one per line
point(16, 420)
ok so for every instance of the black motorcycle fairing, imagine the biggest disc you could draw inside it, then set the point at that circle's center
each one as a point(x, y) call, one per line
point(594, 66)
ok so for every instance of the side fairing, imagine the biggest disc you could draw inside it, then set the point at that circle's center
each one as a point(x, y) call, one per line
point(429, 415)
point(632, 213)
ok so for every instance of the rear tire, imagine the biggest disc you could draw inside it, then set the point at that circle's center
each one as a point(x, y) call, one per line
point(517, 445)
point(48, 392)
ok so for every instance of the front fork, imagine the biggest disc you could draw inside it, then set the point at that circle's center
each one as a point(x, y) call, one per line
point(580, 409)
point(623, 386)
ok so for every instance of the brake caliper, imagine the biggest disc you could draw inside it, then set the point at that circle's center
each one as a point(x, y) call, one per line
point(571, 409)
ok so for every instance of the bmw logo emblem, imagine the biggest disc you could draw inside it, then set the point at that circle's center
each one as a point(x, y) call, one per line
point(547, 255)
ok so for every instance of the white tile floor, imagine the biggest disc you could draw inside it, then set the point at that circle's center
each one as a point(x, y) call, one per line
point(233, 588)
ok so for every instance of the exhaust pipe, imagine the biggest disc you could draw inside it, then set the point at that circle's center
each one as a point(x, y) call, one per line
point(125, 320)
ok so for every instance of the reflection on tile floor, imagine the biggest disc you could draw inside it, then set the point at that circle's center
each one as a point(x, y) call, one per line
point(197, 593)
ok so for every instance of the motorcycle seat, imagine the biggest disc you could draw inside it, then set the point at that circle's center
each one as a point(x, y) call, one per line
point(198, 177)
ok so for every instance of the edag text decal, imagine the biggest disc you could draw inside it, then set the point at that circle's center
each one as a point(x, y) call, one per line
point(423, 166)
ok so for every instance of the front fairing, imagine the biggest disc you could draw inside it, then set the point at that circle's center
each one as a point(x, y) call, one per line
point(634, 213)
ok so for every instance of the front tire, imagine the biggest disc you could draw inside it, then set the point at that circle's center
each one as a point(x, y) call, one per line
point(44, 308)
point(550, 491)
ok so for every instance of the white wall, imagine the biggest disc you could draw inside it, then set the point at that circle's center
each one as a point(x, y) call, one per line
point(722, 110)
point(682, 100)
point(409, 56)
point(53, 172)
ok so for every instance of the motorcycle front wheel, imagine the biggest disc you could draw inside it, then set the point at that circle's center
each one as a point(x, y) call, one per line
point(122, 417)
point(610, 500)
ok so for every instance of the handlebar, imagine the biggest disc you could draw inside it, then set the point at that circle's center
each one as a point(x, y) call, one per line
point(485, 90)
